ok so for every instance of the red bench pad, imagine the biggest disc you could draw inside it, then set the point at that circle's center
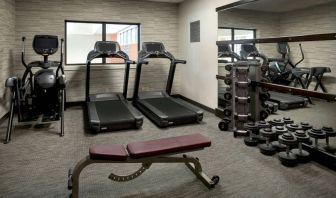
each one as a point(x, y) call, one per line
point(108, 152)
point(167, 145)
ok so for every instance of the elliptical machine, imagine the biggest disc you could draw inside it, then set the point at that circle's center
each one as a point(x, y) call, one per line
point(38, 96)
point(284, 71)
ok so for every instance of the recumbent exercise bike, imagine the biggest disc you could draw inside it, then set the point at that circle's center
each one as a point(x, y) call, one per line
point(38, 96)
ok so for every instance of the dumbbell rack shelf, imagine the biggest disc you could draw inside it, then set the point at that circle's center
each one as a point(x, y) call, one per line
point(321, 156)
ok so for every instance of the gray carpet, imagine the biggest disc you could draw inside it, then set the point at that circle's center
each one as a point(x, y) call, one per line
point(36, 162)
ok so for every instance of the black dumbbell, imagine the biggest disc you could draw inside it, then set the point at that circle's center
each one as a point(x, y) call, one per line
point(252, 139)
point(227, 112)
point(305, 126)
point(228, 67)
point(329, 131)
point(287, 158)
point(267, 148)
point(276, 122)
point(227, 96)
point(302, 155)
point(293, 127)
point(262, 125)
point(264, 96)
point(279, 130)
point(317, 134)
point(224, 124)
point(228, 79)
point(263, 114)
point(287, 120)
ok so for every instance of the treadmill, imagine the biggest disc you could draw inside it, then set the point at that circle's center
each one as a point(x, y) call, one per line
point(285, 101)
point(110, 111)
point(159, 106)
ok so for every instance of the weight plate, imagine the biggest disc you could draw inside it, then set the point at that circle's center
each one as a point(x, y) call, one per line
point(302, 156)
point(250, 141)
point(267, 132)
point(316, 133)
point(287, 159)
point(293, 127)
point(267, 149)
point(279, 147)
point(301, 136)
point(287, 120)
point(287, 139)
point(263, 124)
point(305, 125)
point(279, 130)
point(276, 122)
point(329, 131)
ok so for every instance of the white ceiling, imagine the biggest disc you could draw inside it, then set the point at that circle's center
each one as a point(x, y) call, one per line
point(282, 5)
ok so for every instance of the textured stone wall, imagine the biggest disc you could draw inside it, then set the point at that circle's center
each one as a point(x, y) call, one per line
point(7, 34)
point(159, 22)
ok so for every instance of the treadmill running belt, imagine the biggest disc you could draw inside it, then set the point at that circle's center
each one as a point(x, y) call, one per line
point(113, 111)
point(172, 109)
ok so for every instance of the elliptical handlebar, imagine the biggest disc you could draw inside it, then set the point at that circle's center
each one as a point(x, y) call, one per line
point(302, 56)
point(23, 53)
point(60, 65)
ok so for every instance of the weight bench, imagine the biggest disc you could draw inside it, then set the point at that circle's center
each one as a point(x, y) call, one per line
point(146, 153)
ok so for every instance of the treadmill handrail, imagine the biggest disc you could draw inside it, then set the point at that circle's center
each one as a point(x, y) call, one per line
point(143, 55)
point(98, 54)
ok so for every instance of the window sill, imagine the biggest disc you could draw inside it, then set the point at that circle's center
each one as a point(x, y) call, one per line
point(97, 67)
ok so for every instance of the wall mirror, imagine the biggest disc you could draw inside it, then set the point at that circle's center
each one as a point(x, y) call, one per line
point(253, 19)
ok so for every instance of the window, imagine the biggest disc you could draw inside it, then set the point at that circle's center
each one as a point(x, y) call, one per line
point(81, 37)
point(225, 33)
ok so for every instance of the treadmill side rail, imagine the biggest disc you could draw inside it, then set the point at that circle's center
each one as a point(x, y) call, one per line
point(191, 107)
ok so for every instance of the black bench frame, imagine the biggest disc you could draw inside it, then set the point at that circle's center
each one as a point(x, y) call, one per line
point(191, 162)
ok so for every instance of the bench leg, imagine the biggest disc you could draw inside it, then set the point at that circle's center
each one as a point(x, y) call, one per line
point(74, 177)
point(195, 166)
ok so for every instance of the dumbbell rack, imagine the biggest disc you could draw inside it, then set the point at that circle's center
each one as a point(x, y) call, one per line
point(237, 110)
point(258, 95)
point(321, 156)
point(245, 101)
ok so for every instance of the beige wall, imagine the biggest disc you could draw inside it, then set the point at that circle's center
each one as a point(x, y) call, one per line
point(315, 20)
point(159, 22)
point(198, 76)
point(7, 32)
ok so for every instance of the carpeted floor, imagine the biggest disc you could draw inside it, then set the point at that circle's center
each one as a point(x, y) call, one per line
point(36, 162)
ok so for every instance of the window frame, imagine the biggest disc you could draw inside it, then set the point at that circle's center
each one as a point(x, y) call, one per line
point(103, 23)
point(233, 34)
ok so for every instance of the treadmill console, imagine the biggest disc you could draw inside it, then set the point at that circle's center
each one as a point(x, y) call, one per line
point(107, 47)
point(153, 47)
point(225, 48)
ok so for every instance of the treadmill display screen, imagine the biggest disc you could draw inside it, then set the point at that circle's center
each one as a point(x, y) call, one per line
point(154, 47)
point(106, 46)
